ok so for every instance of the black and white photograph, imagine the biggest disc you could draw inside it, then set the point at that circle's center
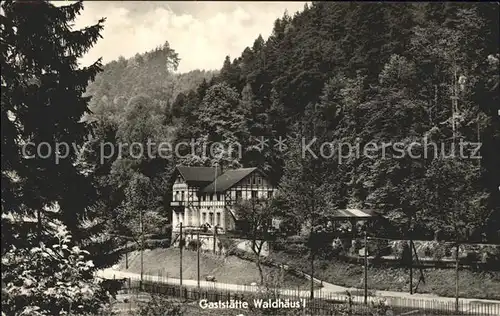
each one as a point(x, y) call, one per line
point(250, 158)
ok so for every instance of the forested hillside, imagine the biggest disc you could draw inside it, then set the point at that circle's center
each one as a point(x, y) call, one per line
point(352, 73)
point(149, 74)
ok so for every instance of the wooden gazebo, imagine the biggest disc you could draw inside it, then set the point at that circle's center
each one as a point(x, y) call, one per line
point(353, 215)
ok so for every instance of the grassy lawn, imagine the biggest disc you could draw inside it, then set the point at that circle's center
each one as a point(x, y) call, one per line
point(226, 270)
point(441, 282)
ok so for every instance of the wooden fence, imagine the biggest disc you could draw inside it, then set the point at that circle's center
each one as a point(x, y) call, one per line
point(135, 291)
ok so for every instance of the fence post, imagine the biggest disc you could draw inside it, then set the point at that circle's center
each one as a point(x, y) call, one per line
point(366, 270)
point(312, 273)
point(215, 236)
point(411, 255)
point(142, 246)
point(456, 277)
point(180, 264)
point(198, 246)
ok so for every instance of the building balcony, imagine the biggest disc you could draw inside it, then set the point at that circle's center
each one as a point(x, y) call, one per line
point(178, 203)
point(204, 229)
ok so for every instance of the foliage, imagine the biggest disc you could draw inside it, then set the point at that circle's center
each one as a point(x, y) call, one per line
point(142, 177)
point(41, 78)
point(227, 243)
point(438, 281)
point(160, 305)
point(256, 216)
point(43, 102)
point(52, 279)
point(379, 308)
point(343, 73)
point(194, 244)
point(378, 247)
point(133, 102)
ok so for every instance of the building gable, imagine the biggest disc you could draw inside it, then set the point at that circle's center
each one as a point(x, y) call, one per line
point(254, 179)
point(197, 176)
point(228, 179)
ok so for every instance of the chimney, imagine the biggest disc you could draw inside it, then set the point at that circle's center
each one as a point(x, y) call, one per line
point(218, 168)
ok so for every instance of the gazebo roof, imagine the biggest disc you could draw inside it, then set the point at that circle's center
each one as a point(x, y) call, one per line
point(351, 213)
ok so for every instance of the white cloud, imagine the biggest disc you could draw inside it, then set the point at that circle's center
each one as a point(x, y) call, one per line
point(202, 35)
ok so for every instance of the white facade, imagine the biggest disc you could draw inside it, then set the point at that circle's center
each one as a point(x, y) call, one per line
point(194, 208)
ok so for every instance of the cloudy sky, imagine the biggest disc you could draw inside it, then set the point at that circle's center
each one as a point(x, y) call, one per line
point(202, 33)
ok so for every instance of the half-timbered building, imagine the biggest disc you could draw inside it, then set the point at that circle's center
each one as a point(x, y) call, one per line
point(205, 196)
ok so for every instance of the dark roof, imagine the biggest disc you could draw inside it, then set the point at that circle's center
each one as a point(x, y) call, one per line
point(227, 180)
point(198, 174)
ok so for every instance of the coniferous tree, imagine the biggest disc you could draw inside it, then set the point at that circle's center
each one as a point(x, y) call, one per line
point(42, 102)
point(43, 107)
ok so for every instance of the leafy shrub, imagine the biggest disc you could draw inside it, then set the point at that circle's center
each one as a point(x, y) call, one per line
point(397, 248)
point(330, 252)
point(378, 247)
point(289, 226)
point(440, 251)
point(227, 243)
point(297, 249)
point(297, 239)
point(406, 254)
point(194, 244)
point(425, 248)
point(472, 257)
point(160, 305)
point(279, 244)
point(51, 279)
point(379, 308)
point(490, 256)
point(157, 243)
point(355, 246)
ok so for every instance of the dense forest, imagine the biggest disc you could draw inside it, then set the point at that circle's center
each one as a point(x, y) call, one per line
point(342, 73)
point(417, 75)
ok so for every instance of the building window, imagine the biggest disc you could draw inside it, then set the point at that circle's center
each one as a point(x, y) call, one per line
point(211, 197)
point(182, 195)
point(254, 194)
point(259, 179)
point(176, 197)
point(218, 219)
point(269, 194)
point(218, 196)
point(211, 218)
point(254, 180)
point(238, 195)
point(203, 217)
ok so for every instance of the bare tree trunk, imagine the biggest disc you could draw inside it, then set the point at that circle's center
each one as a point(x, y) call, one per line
point(257, 249)
point(142, 246)
point(261, 273)
point(181, 244)
point(312, 274)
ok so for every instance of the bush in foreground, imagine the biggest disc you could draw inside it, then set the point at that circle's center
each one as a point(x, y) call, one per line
point(53, 279)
